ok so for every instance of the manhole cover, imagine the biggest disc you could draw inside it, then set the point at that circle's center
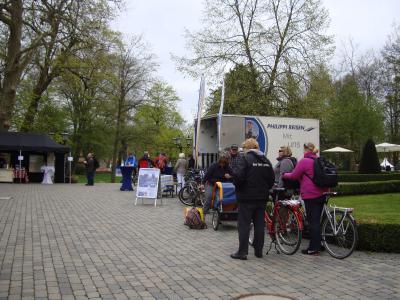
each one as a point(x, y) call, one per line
point(264, 297)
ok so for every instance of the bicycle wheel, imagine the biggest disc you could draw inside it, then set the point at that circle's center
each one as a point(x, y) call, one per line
point(200, 199)
point(215, 220)
point(251, 234)
point(339, 240)
point(287, 231)
point(187, 195)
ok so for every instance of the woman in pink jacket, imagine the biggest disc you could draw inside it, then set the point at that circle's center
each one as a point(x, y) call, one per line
point(311, 194)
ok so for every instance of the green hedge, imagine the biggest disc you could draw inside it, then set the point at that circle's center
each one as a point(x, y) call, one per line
point(372, 187)
point(355, 177)
point(379, 237)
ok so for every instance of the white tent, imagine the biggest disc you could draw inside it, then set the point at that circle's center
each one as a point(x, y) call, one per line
point(338, 150)
point(386, 147)
point(385, 163)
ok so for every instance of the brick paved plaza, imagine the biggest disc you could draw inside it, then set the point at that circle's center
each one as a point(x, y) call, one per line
point(78, 242)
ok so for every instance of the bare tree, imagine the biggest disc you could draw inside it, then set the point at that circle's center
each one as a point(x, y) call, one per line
point(366, 68)
point(134, 68)
point(267, 35)
point(391, 56)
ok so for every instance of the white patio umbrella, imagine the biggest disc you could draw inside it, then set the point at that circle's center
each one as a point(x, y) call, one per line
point(386, 147)
point(338, 150)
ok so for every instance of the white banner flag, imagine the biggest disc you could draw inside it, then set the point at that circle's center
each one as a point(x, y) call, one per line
point(221, 108)
point(199, 114)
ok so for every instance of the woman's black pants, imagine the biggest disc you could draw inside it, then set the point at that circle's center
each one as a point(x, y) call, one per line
point(313, 210)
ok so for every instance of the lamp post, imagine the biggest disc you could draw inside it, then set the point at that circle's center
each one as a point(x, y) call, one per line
point(180, 142)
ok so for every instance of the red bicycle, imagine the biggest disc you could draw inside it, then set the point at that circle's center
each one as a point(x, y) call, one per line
point(284, 224)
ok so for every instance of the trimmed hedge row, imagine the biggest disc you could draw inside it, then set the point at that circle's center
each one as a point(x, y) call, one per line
point(372, 187)
point(379, 237)
point(355, 177)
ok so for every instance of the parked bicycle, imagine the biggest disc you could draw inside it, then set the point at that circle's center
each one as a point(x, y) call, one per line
point(284, 224)
point(191, 193)
point(338, 229)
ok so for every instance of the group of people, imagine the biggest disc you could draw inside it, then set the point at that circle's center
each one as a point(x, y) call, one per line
point(253, 176)
point(161, 162)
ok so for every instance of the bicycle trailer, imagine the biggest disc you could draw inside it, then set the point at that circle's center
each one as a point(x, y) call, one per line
point(224, 203)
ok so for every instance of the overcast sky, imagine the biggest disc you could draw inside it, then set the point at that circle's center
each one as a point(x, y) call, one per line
point(162, 23)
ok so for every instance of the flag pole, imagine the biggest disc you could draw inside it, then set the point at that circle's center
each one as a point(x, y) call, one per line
point(199, 111)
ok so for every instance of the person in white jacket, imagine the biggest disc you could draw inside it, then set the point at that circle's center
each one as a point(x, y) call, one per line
point(180, 168)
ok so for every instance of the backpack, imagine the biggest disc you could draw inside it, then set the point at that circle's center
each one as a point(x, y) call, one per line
point(96, 163)
point(193, 219)
point(325, 173)
point(290, 184)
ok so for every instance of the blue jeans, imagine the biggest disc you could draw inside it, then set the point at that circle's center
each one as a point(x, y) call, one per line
point(208, 190)
point(90, 178)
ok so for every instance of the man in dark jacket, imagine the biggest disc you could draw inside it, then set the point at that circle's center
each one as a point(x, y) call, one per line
point(253, 178)
point(90, 165)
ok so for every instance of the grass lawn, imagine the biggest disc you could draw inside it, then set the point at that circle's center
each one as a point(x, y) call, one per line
point(380, 208)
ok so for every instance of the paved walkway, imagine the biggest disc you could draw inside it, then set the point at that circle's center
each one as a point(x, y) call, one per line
point(78, 242)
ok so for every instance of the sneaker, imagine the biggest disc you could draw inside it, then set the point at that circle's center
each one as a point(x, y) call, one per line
point(309, 252)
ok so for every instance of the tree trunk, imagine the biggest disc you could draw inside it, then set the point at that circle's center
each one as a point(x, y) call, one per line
point(116, 141)
point(41, 86)
point(13, 64)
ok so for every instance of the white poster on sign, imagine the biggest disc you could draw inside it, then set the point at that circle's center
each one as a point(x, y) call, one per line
point(148, 183)
point(118, 172)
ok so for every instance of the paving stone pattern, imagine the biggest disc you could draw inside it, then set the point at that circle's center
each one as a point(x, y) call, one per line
point(78, 242)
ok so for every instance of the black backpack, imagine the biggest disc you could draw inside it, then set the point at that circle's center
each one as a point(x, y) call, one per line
point(325, 173)
point(96, 163)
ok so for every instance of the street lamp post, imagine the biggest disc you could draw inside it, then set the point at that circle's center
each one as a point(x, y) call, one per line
point(178, 141)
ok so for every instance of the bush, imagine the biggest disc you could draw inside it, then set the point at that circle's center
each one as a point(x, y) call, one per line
point(369, 163)
point(379, 237)
point(355, 177)
point(372, 187)
point(74, 179)
point(80, 169)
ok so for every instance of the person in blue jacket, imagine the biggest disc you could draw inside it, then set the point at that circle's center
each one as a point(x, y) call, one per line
point(131, 160)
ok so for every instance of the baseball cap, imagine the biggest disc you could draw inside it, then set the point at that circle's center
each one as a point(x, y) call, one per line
point(234, 147)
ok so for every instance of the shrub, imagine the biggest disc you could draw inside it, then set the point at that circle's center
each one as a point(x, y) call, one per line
point(369, 163)
point(379, 237)
point(80, 169)
point(349, 177)
point(372, 187)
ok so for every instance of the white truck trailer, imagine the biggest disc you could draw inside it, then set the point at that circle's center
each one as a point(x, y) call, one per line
point(270, 132)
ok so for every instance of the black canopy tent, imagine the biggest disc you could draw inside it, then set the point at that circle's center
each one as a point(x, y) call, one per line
point(33, 143)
